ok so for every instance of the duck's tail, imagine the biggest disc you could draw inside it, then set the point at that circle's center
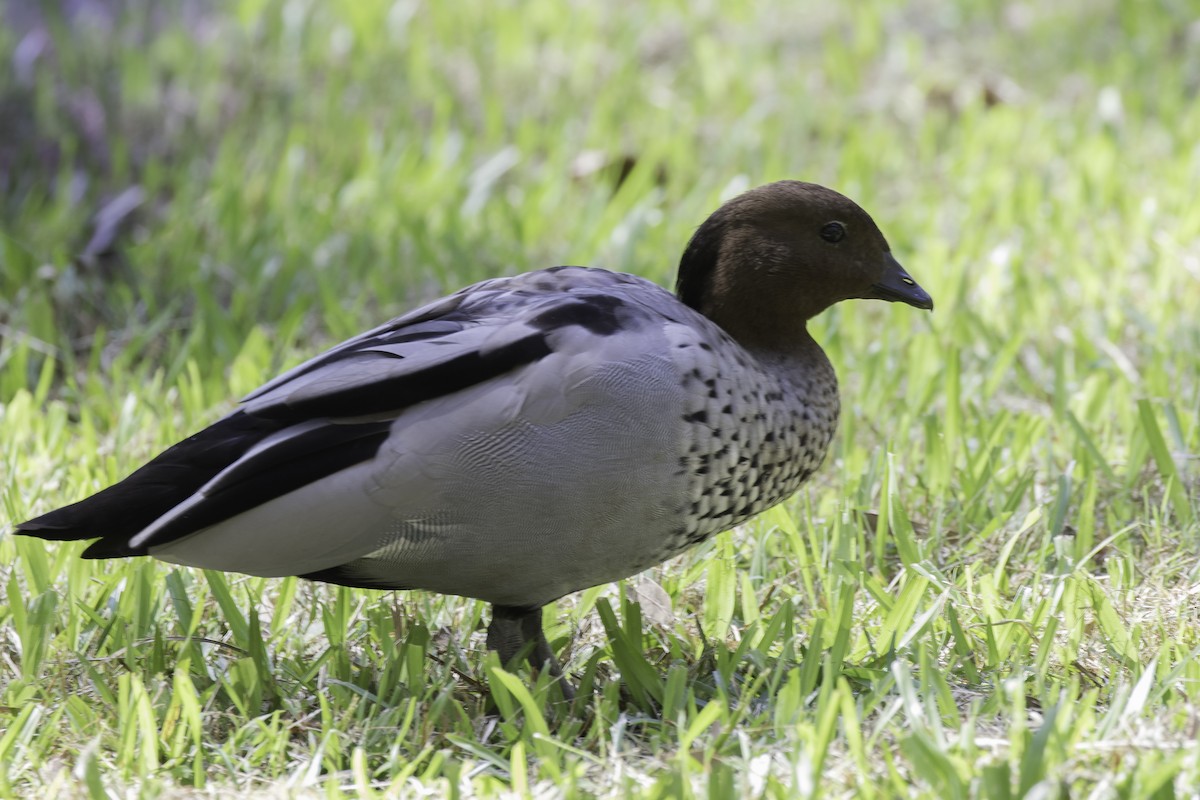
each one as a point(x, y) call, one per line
point(116, 514)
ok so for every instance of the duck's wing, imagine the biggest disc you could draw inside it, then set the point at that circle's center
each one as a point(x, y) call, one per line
point(315, 426)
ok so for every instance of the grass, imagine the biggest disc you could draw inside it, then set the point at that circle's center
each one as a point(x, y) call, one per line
point(990, 590)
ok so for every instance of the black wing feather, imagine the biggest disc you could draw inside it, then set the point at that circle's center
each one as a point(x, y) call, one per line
point(395, 394)
point(272, 473)
point(123, 509)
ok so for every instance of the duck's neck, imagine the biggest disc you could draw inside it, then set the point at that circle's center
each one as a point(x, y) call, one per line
point(764, 330)
point(802, 362)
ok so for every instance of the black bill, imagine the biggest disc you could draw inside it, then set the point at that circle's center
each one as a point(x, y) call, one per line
point(897, 286)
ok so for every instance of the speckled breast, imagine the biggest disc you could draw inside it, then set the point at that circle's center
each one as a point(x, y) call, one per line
point(752, 435)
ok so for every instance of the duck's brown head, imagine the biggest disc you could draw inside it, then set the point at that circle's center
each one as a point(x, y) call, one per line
point(772, 258)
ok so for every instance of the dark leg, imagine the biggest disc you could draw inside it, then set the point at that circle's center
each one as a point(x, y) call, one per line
point(513, 629)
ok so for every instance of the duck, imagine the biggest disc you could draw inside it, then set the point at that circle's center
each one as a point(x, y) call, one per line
point(529, 436)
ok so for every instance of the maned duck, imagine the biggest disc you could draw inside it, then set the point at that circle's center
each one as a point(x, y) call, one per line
point(530, 436)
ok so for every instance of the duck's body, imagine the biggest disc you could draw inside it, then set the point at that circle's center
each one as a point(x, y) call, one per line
point(521, 439)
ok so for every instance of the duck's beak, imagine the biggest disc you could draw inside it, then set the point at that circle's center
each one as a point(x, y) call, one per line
point(897, 286)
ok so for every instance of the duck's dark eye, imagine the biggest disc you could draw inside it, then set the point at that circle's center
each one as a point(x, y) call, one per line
point(833, 232)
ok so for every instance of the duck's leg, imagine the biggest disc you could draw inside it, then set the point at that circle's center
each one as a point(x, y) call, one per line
point(512, 628)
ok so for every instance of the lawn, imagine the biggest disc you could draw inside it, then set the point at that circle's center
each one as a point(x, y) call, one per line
point(992, 587)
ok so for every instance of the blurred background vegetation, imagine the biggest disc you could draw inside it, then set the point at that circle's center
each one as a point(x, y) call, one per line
point(196, 194)
point(163, 165)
